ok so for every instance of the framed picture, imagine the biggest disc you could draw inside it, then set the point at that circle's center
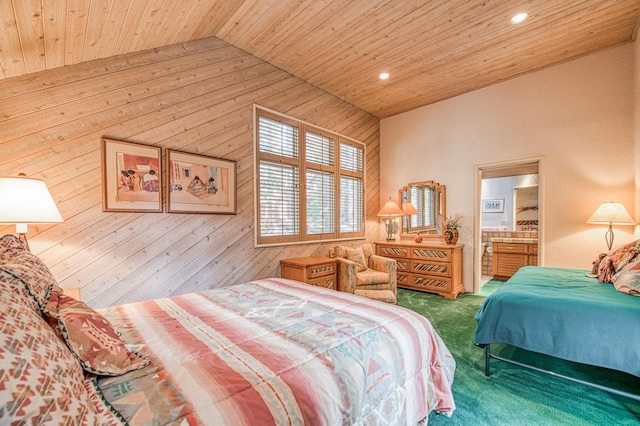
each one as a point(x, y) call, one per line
point(493, 206)
point(131, 177)
point(200, 184)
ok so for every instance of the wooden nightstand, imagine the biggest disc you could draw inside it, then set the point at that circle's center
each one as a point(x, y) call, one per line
point(319, 271)
point(73, 292)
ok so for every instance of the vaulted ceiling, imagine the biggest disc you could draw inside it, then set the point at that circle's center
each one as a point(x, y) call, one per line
point(433, 50)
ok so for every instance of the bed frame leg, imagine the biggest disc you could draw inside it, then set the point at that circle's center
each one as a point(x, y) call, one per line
point(487, 360)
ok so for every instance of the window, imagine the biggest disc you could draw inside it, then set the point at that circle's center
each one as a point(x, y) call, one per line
point(310, 182)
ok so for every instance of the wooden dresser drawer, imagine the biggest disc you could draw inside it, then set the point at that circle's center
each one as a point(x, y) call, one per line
point(314, 271)
point(435, 267)
point(509, 247)
point(431, 268)
point(442, 255)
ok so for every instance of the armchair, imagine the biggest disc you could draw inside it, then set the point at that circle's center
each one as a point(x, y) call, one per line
point(365, 274)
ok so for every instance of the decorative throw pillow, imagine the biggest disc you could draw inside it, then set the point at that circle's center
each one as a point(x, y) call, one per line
point(627, 280)
point(605, 270)
point(596, 263)
point(622, 255)
point(14, 286)
point(340, 251)
point(41, 382)
point(357, 255)
point(10, 245)
point(91, 337)
point(367, 249)
point(16, 259)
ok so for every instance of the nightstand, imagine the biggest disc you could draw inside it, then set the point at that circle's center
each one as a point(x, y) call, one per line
point(72, 292)
point(318, 271)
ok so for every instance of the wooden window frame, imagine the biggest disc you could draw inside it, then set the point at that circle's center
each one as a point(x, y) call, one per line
point(303, 165)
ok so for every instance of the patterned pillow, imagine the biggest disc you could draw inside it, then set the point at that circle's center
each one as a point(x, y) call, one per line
point(91, 337)
point(340, 251)
point(617, 259)
point(620, 256)
point(627, 280)
point(357, 255)
point(367, 249)
point(18, 291)
point(41, 382)
point(17, 260)
point(10, 245)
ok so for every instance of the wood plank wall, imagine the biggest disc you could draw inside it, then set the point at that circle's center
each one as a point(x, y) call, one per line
point(197, 97)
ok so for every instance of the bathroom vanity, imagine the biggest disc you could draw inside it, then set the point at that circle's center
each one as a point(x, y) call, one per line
point(510, 254)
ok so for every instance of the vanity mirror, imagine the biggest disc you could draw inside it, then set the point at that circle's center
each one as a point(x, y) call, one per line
point(428, 198)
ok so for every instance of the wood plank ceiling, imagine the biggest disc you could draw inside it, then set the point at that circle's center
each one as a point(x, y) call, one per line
point(433, 50)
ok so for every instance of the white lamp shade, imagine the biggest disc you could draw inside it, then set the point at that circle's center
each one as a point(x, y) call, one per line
point(26, 200)
point(390, 208)
point(611, 213)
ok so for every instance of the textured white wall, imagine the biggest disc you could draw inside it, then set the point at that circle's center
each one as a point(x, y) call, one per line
point(578, 115)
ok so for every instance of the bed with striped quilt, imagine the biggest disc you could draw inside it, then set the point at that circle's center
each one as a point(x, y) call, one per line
point(279, 352)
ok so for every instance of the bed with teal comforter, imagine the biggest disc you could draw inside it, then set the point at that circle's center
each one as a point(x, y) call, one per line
point(565, 314)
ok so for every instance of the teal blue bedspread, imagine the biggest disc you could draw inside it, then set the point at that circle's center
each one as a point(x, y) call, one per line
point(562, 313)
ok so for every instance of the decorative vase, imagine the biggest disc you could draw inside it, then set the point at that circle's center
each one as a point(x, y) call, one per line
point(418, 238)
point(451, 235)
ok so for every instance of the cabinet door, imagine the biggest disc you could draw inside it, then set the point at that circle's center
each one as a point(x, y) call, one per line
point(507, 264)
point(326, 281)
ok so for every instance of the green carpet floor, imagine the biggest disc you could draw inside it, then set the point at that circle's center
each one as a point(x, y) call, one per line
point(513, 395)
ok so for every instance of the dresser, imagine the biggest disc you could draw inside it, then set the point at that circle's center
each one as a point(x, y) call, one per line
point(434, 267)
point(509, 256)
point(313, 270)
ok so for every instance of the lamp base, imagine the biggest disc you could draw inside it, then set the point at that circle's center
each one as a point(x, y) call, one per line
point(391, 226)
point(608, 236)
point(23, 237)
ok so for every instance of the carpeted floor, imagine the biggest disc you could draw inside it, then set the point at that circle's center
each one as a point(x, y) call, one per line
point(513, 395)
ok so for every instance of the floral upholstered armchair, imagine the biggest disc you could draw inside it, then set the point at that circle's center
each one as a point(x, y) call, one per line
point(365, 274)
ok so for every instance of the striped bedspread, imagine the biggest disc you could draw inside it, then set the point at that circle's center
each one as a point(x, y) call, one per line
point(276, 351)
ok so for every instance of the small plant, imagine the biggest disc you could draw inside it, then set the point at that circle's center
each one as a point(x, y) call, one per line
point(453, 222)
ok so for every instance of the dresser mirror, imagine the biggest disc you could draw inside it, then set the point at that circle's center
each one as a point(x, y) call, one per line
point(426, 201)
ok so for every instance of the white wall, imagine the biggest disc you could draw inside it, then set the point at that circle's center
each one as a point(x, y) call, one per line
point(502, 188)
point(578, 115)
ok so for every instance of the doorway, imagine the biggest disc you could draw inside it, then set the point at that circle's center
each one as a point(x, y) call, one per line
point(498, 213)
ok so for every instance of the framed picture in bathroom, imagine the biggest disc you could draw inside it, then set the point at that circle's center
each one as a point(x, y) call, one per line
point(493, 206)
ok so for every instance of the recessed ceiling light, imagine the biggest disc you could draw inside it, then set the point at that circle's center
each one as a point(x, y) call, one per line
point(384, 76)
point(519, 18)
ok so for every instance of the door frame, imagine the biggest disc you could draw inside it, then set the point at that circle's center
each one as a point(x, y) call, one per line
point(477, 211)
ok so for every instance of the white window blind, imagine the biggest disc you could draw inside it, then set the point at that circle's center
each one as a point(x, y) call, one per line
point(321, 210)
point(279, 199)
point(318, 196)
point(423, 198)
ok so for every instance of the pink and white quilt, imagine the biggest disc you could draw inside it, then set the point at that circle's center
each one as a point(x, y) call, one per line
point(279, 352)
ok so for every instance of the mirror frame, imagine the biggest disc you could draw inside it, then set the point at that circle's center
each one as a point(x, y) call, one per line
point(443, 207)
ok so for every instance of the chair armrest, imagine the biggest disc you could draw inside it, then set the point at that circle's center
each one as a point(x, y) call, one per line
point(382, 264)
point(346, 275)
point(387, 265)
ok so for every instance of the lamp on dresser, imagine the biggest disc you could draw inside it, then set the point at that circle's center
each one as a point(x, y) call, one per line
point(26, 200)
point(389, 211)
point(610, 213)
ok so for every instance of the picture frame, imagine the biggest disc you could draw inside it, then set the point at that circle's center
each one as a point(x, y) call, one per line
point(493, 206)
point(131, 177)
point(198, 183)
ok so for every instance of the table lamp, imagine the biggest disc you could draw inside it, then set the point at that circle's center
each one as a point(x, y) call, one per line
point(610, 213)
point(25, 200)
point(389, 211)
